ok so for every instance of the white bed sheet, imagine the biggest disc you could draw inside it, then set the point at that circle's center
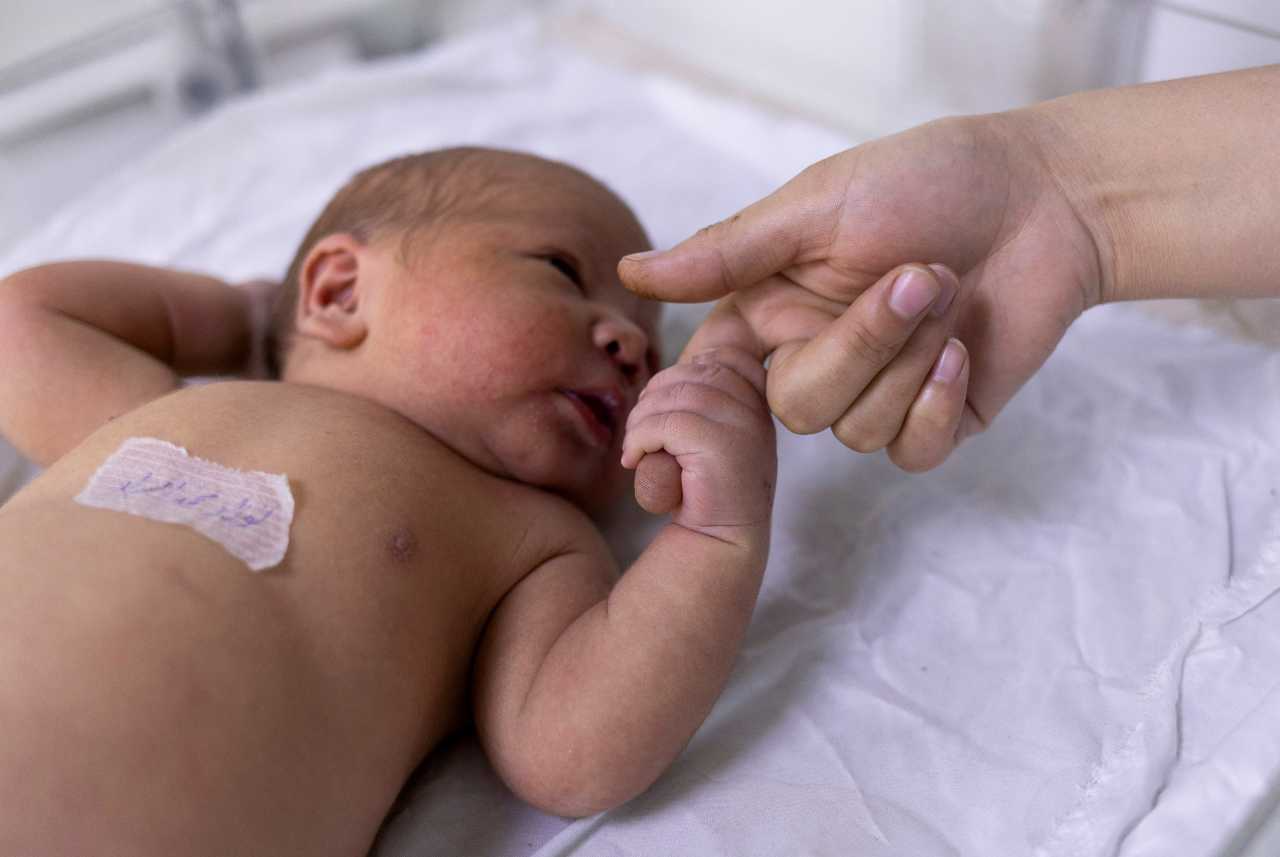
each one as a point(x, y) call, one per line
point(1060, 643)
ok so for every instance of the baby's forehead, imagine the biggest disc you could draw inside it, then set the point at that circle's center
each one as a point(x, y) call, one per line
point(503, 170)
point(496, 184)
point(541, 206)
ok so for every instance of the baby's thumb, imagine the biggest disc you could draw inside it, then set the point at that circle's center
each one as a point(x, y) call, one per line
point(658, 483)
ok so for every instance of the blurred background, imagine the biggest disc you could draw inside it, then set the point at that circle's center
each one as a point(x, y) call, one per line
point(88, 85)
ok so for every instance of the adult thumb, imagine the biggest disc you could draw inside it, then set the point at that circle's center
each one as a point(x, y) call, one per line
point(762, 239)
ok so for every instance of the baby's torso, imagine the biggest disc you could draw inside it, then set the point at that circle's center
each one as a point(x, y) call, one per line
point(397, 553)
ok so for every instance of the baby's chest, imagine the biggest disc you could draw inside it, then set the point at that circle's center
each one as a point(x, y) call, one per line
point(399, 582)
point(431, 541)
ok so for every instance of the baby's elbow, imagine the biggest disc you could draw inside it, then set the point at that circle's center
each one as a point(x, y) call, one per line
point(10, 295)
point(573, 784)
point(17, 305)
point(21, 286)
point(17, 323)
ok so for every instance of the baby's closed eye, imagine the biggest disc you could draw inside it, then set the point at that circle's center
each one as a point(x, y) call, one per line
point(568, 267)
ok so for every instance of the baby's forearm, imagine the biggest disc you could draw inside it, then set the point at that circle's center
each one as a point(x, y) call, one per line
point(195, 324)
point(626, 686)
point(82, 342)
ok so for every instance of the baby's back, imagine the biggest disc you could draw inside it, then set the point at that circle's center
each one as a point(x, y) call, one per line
point(172, 679)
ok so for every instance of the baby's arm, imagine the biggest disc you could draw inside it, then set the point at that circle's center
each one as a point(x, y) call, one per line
point(83, 342)
point(585, 694)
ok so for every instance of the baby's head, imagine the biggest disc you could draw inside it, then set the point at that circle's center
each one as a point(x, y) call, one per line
point(475, 292)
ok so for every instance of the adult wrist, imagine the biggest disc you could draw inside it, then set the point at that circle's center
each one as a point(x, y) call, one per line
point(1048, 133)
point(1177, 182)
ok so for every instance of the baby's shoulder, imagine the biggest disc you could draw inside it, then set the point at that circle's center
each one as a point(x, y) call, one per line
point(544, 525)
point(356, 467)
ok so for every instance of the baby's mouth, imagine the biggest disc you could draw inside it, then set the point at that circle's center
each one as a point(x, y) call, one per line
point(600, 409)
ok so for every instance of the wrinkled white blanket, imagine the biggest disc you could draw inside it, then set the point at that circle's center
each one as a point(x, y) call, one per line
point(1060, 643)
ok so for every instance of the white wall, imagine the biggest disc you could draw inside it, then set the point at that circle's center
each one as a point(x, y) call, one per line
point(34, 26)
point(1206, 36)
point(109, 93)
point(874, 66)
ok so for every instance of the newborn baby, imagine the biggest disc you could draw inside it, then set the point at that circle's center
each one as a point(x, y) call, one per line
point(457, 362)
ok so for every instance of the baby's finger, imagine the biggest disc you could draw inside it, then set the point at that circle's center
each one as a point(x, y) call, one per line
point(683, 388)
point(877, 416)
point(745, 364)
point(930, 431)
point(811, 384)
point(676, 432)
point(694, 398)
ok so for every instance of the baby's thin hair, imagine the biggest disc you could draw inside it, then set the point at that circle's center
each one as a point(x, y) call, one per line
point(402, 195)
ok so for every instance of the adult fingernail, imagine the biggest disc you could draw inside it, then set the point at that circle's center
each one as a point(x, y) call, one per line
point(640, 257)
point(912, 292)
point(949, 364)
point(950, 286)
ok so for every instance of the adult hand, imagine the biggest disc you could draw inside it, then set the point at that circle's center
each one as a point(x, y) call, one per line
point(810, 273)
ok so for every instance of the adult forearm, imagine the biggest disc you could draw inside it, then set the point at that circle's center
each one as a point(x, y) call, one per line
point(1179, 182)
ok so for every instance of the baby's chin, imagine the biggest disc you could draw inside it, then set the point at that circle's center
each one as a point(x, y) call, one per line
point(596, 485)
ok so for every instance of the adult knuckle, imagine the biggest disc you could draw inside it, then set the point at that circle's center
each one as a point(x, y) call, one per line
point(866, 346)
point(913, 459)
point(793, 408)
point(728, 279)
point(858, 437)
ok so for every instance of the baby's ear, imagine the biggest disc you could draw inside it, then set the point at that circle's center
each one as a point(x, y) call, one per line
point(329, 293)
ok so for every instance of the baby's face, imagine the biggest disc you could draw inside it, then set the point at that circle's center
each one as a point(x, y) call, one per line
point(507, 334)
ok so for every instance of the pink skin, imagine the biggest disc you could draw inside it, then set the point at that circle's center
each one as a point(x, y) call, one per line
point(708, 412)
point(507, 334)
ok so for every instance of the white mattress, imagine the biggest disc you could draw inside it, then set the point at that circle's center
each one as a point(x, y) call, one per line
point(1060, 643)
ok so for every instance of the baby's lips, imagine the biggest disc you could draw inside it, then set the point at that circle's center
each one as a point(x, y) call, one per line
point(619, 408)
point(610, 401)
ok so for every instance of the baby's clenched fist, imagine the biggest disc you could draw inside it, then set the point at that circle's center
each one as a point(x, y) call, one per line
point(709, 414)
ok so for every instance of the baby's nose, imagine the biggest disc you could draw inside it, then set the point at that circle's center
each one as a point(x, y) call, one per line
point(625, 343)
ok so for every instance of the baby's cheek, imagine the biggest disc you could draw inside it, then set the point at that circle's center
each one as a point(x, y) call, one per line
point(484, 358)
point(531, 345)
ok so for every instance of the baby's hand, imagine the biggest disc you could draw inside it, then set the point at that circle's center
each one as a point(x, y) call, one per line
point(709, 413)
